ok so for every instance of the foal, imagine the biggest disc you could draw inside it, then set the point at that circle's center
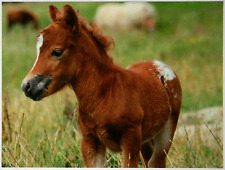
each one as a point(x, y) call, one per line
point(128, 110)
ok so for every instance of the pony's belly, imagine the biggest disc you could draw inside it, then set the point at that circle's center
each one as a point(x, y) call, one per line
point(111, 144)
point(110, 140)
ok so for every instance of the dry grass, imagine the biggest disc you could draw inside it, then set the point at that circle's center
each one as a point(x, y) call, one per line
point(188, 38)
point(51, 139)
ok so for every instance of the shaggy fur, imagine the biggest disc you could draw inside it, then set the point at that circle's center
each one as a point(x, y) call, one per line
point(128, 110)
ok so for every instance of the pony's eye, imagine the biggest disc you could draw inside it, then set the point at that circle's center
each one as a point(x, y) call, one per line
point(57, 52)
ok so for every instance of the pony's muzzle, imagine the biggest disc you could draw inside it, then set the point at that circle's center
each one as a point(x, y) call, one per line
point(36, 86)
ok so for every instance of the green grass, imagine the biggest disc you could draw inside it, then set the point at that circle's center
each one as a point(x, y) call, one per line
point(188, 37)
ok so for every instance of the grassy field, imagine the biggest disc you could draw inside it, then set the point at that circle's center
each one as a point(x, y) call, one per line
point(188, 37)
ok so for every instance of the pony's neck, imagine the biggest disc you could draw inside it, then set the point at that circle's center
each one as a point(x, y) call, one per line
point(94, 77)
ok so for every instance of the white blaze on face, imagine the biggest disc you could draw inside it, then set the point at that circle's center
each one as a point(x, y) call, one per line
point(164, 71)
point(39, 45)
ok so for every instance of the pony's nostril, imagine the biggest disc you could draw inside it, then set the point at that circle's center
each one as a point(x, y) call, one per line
point(25, 86)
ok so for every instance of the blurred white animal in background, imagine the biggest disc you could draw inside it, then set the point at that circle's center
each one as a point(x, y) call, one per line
point(126, 16)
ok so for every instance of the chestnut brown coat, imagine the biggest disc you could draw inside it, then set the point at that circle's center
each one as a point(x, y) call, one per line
point(129, 110)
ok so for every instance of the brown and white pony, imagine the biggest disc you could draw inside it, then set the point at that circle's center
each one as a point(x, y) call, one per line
point(21, 16)
point(128, 110)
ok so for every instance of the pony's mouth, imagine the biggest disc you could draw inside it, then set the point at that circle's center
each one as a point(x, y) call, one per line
point(36, 87)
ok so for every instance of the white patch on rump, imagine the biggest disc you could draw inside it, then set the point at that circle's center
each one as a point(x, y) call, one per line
point(164, 71)
point(39, 45)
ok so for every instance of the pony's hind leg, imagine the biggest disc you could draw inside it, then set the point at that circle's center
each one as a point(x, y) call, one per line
point(146, 151)
point(162, 143)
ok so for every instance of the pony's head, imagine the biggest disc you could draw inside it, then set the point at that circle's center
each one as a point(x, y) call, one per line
point(54, 63)
point(65, 49)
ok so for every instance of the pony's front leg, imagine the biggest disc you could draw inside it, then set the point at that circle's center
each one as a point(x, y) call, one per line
point(93, 152)
point(131, 145)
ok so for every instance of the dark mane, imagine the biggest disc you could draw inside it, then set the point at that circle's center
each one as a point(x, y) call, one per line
point(105, 42)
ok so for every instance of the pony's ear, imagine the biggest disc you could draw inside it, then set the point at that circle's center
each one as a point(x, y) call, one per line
point(70, 17)
point(54, 13)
